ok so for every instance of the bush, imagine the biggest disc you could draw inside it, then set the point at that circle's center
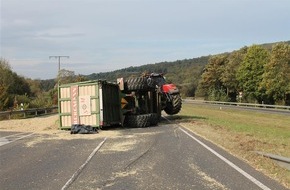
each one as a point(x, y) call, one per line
point(218, 95)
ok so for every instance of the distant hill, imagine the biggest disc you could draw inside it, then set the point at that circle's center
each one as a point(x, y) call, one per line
point(269, 45)
point(177, 71)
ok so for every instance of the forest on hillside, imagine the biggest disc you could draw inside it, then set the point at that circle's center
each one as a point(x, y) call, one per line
point(257, 74)
point(261, 73)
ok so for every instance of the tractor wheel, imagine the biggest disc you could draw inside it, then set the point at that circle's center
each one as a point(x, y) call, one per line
point(139, 84)
point(138, 121)
point(135, 84)
point(151, 83)
point(153, 119)
point(174, 106)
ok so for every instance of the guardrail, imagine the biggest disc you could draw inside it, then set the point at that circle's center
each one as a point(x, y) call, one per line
point(267, 106)
point(28, 112)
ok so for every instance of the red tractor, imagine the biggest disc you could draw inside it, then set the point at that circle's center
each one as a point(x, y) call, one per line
point(171, 99)
point(145, 97)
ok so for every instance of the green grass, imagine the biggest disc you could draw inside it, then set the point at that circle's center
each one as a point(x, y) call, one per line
point(273, 127)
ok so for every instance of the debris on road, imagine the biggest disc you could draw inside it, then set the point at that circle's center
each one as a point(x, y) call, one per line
point(82, 129)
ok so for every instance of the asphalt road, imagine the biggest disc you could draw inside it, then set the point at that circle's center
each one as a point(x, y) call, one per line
point(162, 157)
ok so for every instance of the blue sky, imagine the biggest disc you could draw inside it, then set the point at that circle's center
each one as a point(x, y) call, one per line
point(106, 35)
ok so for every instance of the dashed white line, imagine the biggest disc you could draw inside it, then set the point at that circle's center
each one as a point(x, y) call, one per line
point(75, 175)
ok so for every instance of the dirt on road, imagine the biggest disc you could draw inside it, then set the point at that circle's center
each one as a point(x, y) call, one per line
point(49, 125)
point(38, 124)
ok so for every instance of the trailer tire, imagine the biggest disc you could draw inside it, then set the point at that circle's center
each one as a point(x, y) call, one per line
point(137, 121)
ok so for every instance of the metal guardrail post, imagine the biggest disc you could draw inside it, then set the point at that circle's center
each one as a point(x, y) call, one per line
point(264, 106)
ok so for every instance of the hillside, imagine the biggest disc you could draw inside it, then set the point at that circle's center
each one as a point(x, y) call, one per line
point(184, 73)
point(181, 72)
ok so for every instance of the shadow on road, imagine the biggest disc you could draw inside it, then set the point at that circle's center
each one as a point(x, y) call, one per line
point(184, 118)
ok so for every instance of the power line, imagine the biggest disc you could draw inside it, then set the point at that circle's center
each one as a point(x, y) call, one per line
point(58, 57)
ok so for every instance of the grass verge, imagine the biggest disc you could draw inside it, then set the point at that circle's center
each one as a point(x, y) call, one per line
point(241, 133)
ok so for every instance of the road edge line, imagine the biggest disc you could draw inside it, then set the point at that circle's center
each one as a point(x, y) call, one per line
point(248, 176)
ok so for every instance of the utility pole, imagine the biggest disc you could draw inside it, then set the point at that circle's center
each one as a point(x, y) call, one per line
point(58, 57)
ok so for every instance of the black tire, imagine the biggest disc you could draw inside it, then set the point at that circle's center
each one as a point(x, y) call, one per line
point(135, 84)
point(174, 106)
point(139, 84)
point(153, 119)
point(138, 121)
point(151, 83)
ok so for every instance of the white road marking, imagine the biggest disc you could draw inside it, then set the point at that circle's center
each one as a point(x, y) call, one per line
point(15, 137)
point(4, 141)
point(17, 134)
point(75, 175)
point(251, 178)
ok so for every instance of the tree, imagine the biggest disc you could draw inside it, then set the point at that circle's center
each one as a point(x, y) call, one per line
point(250, 73)
point(80, 78)
point(5, 82)
point(276, 77)
point(228, 76)
point(35, 87)
point(3, 97)
point(19, 85)
point(66, 76)
point(11, 85)
point(211, 77)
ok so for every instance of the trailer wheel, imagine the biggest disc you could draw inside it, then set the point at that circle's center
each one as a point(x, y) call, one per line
point(138, 121)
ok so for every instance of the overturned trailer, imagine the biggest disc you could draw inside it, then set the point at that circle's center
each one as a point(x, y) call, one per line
point(94, 103)
point(132, 102)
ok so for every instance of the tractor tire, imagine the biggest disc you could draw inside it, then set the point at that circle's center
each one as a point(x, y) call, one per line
point(136, 84)
point(153, 119)
point(151, 83)
point(139, 84)
point(174, 106)
point(137, 121)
